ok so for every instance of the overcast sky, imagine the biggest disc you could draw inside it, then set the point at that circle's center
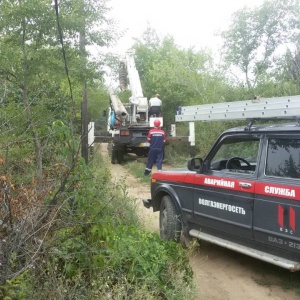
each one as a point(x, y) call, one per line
point(192, 23)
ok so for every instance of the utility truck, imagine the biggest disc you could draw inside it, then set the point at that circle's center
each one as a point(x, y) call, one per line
point(245, 194)
point(129, 123)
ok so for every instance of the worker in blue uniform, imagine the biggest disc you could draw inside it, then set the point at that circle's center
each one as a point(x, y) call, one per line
point(156, 137)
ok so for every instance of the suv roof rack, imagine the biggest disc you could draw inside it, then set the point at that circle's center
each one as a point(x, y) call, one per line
point(251, 121)
point(277, 108)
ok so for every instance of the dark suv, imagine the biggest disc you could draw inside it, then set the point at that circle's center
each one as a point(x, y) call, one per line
point(245, 195)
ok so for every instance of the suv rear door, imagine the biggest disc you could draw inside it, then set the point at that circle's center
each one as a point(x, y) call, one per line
point(224, 193)
point(276, 218)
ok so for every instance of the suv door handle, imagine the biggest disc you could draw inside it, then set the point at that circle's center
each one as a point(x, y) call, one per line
point(245, 185)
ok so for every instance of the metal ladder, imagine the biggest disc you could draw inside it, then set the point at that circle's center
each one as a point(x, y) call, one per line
point(287, 107)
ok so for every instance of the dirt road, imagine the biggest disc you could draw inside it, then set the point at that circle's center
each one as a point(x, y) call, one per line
point(219, 274)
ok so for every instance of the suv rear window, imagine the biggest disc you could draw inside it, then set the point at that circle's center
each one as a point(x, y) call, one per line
point(283, 158)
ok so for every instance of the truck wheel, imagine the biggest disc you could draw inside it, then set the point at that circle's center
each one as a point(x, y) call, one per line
point(120, 156)
point(114, 154)
point(169, 220)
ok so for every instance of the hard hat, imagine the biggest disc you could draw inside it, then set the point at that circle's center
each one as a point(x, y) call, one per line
point(156, 123)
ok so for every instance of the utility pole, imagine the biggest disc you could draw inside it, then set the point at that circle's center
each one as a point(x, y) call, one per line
point(84, 120)
point(84, 125)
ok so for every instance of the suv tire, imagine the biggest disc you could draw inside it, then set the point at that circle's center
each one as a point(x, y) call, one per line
point(169, 220)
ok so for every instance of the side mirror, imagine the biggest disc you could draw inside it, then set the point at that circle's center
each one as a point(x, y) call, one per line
point(194, 164)
point(104, 113)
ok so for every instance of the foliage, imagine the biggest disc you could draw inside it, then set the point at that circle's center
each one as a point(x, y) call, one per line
point(177, 153)
point(33, 69)
point(64, 224)
point(160, 268)
point(150, 261)
point(17, 288)
point(58, 219)
point(258, 35)
point(97, 103)
point(82, 253)
point(181, 77)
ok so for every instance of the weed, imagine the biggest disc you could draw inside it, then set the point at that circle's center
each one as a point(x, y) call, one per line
point(137, 169)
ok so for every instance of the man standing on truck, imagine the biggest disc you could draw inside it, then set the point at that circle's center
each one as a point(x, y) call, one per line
point(156, 137)
point(155, 106)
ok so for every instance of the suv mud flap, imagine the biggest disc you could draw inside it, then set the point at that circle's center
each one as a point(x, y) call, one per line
point(147, 203)
point(293, 266)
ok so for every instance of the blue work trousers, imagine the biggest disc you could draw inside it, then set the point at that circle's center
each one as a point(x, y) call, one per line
point(155, 156)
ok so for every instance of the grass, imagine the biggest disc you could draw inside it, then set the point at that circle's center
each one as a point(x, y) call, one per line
point(137, 169)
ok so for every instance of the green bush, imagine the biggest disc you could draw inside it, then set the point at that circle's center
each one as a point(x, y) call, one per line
point(98, 250)
point(145, 260)
point(18, 287)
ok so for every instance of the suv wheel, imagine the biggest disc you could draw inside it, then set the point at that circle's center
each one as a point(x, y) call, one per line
point(169, 220)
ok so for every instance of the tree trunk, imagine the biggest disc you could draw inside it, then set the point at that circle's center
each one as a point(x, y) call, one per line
point(33, 127)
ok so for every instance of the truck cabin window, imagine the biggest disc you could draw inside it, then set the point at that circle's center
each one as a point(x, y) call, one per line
point(236, 154)
point(283, 158)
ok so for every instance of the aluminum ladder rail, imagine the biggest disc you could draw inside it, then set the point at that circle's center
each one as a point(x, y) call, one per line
point(287, 107)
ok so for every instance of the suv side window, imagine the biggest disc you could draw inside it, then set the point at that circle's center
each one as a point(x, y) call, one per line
point(236, 154)
point(283, 158)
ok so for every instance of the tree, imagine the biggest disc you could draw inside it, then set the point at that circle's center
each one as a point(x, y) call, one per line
point(39, 163)
point(181, 77)
point(21, 41)
point(257, 35)
point(32, 68)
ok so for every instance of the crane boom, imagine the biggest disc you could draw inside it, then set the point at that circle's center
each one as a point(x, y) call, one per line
point(133, 75)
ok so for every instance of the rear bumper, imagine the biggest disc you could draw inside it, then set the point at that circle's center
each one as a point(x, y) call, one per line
point(131, 141)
